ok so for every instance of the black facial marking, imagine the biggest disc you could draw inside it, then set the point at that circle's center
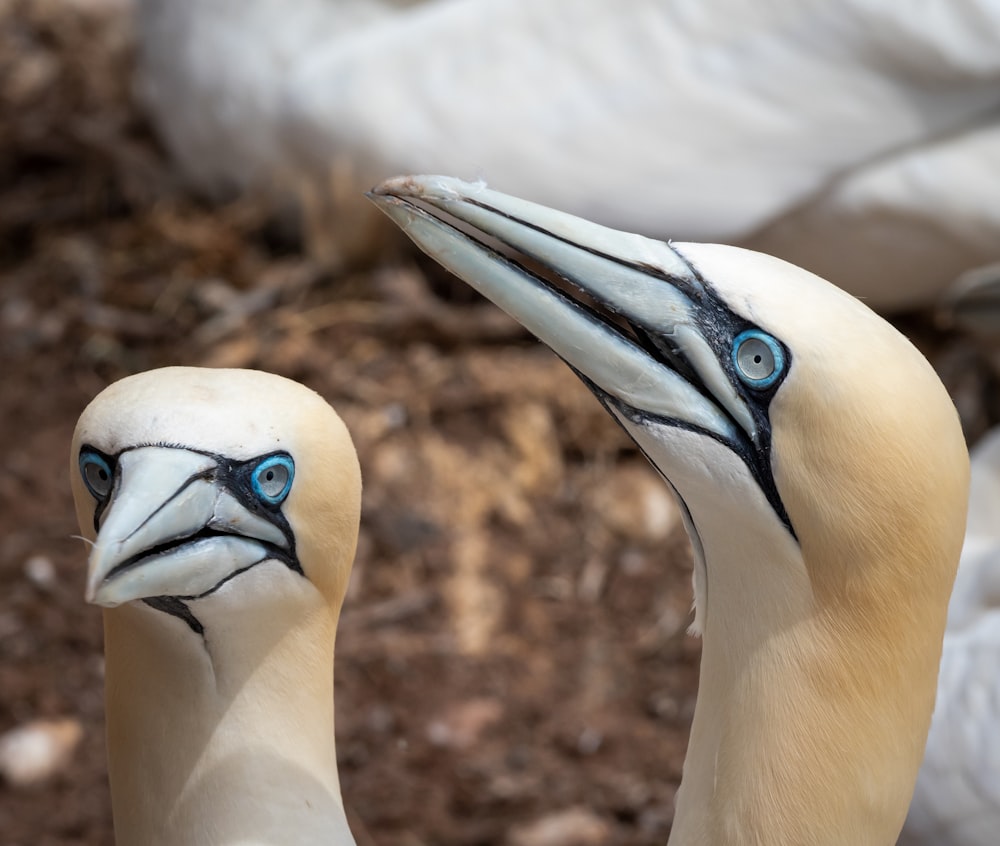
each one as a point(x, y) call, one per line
point(716, 323)
point(102, 503)
point(227, 578)
point(719, 326)
point(235, 476)
point(757, 460)
point(176, 607)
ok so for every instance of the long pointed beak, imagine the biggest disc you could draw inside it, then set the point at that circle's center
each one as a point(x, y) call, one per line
point(171, 529)
point(666, 367)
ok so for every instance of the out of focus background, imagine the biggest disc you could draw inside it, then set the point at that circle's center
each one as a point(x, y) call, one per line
point(512, 665)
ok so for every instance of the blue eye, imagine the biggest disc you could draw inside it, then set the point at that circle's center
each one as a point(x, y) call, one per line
point(758, 358)
point(272, 478)
point(97, 474)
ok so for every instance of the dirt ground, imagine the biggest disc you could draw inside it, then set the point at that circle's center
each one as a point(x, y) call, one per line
point(512, 661)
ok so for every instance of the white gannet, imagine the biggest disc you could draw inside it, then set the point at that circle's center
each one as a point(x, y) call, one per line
point(223, 507)
point(860, 140)
point(957, 797)
point(823, 475)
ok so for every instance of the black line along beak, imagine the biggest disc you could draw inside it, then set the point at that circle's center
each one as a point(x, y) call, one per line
point(172, 528)
point(629, 314)
point(645, 344)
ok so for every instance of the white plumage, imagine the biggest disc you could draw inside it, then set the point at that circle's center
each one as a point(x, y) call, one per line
point(860, 140)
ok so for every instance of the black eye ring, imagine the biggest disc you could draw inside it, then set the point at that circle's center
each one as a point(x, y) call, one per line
point(97, 474)
point(272, 478)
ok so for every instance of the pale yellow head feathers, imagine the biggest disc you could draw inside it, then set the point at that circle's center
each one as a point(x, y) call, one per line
point(868, 453)
point(239, 414)
point(839, 642)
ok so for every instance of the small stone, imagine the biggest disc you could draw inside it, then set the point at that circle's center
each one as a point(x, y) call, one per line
point(633, 563)
point(571, 827)
point(395, 416)
point(10, 624)
point(589, 741)
point(36, 751)
point(17, 314)
point(30, 76)
point(381, 719)
point(463, 724)
point(40, 571)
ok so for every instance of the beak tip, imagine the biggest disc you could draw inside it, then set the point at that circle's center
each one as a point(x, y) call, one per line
point(428, 187)
point(395, 186)
point(97, 588)
point(92, 591)
point(99, 596)
point(382, 200)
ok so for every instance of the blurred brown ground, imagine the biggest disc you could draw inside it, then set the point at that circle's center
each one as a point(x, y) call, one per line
point(513, 644)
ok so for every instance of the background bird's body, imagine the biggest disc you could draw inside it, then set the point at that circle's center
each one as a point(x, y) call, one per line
point(819, 133)
point(957, 797)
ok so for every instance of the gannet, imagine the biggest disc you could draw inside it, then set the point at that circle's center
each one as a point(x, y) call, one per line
point(957, 797)
point(823, 476)
point(860, 140)
point(223, 509)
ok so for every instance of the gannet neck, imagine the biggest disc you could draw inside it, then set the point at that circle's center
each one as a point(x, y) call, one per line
point(794, 740)
point(772, 698)
point(225, 739)
point(223, 510)
point(813, 709)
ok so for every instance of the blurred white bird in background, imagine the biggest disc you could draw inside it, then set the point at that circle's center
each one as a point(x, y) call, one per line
point(859, 139)
point(957, 798)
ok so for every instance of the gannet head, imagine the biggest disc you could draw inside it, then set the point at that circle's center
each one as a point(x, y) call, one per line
point(822, 471)
point(763, 394)
point(218, 489)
